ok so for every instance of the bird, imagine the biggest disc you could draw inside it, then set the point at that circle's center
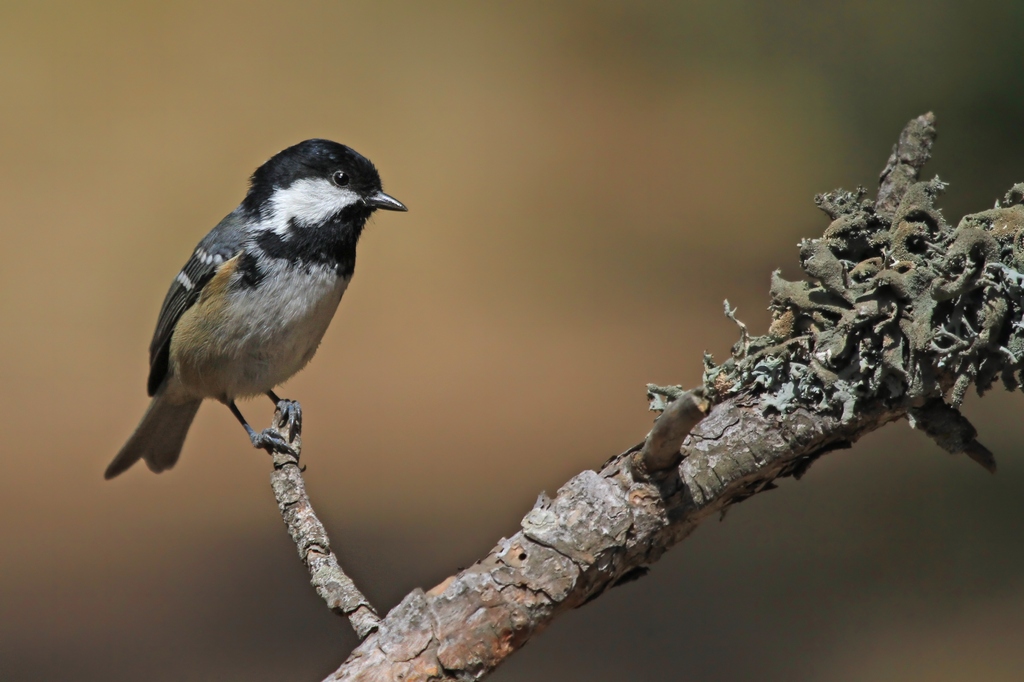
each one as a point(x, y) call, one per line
point(253, 302)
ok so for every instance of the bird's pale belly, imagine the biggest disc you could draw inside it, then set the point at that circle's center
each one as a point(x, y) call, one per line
point(260, 338)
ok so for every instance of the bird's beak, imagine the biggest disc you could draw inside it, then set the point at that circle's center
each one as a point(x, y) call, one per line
point(388, 203)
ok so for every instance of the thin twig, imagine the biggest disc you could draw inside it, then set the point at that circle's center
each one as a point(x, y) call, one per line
point(310, 536)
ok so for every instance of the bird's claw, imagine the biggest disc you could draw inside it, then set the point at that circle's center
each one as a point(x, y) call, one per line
point(289, 416)
point(272, 441)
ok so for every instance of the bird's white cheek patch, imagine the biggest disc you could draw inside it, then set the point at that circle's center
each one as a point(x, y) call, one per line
point(308, 202)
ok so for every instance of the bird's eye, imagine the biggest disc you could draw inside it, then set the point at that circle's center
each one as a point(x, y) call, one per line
point(340, 178)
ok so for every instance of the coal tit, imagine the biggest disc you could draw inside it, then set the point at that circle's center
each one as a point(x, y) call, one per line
point(251, 305)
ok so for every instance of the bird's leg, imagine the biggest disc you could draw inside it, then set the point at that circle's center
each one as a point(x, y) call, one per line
point(291, 413)
point(269, 440)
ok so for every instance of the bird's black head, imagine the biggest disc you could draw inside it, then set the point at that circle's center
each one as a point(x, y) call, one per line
point(314, 181)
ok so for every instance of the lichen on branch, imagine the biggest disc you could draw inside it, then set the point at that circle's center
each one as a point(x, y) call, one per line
point(901, 308)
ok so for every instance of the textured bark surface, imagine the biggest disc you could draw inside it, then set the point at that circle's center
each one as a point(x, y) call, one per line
point(901, 313)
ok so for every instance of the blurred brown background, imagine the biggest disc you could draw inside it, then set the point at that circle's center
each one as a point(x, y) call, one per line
point(587, 182)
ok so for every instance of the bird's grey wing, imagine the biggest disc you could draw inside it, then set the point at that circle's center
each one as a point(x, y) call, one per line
point(220, 245)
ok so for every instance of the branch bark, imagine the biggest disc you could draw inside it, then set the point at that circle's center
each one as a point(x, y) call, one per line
point(903, 312)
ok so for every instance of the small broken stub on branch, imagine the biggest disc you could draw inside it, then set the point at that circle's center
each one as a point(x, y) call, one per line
point(661, 449)
point(901, 307)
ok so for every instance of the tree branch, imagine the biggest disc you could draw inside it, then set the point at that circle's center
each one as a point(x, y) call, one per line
point(902, 314)
point(600, 530)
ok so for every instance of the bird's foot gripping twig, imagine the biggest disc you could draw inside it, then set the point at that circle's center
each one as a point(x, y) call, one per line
point(306, 530)
point(281, 438)
point(288, 418)
point(273, 442)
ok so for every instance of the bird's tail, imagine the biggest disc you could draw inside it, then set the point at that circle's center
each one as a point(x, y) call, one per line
point(158, 438)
